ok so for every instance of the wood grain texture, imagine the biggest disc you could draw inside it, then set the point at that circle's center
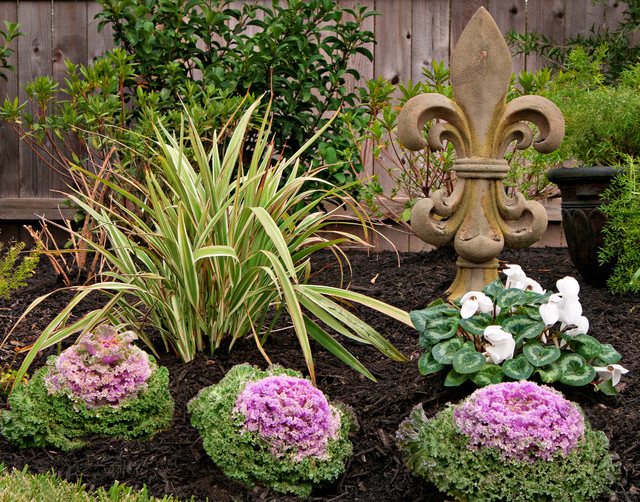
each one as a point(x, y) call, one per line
point(9, 140)
point(429, 35)
point(34, 60)
point(547, 17)
point(510, 15)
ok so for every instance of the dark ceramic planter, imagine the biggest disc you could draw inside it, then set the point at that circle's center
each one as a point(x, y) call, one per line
point(582, 218)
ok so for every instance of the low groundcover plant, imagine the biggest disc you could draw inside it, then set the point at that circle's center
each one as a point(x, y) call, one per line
point(513, 332)
point(273, 428)
point(516, 441)
point(101, 386)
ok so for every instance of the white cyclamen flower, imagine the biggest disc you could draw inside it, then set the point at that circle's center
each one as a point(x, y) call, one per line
point(516, 277)
point(581, 327)
point(475, 301)
point(611, 372)
point(568, 287)
point(501, 345)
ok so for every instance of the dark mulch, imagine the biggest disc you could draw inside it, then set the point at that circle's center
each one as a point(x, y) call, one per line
point(174, 461)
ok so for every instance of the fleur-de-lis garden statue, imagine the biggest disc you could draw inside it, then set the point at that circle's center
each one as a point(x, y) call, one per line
point(478, 217)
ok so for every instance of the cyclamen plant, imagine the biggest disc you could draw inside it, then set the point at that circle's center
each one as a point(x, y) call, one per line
point(516, 441)
point(101, 386)
point(273, 428)
point(514, 331)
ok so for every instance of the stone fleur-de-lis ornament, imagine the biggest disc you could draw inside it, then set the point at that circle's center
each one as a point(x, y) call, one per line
point(478, 217)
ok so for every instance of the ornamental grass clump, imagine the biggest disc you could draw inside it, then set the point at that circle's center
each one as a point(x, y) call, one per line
point(101, 386)
point(273, 428)
point(516, 441)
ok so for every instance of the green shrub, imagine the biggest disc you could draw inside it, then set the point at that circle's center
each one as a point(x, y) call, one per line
point(27, 487)
point(622, 229)
point(245, 455)
point(297, 53)
point(13, 277)
point(37, 417)
point(202, 249)
point(437, 451)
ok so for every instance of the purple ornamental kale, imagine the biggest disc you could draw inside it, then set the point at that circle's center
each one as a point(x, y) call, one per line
point(291, 415)
point(523, 420)
point(102, 368)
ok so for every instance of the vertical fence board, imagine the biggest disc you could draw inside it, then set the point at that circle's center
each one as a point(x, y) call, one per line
point(547, 18)
point(34, 60)
point(9, 140)
point(581, 16)
point(510, 15)
point(97, 43)
point(429, 35)
point(461, 13)
point(360, 62)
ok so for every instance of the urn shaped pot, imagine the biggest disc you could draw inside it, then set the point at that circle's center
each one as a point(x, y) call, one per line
point(582, 217)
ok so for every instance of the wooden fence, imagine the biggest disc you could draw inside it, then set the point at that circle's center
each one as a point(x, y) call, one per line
point(409, 34)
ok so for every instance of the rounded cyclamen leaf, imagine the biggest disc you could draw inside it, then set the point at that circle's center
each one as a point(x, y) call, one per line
point(490, 374)
point(575, 371)
point(454, 379)
point(550, 373)
point(522, 327)
point(468, 361)
point(444, 351)
point(476, 324)
point(518, 368)
point(439, 329)
point(609, 355)
point(539, 355)
point(492, 290)
point(587, 346)
point(510, 298)
point(427, 364)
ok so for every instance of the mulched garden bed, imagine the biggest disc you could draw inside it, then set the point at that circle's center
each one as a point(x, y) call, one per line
point(174, 462)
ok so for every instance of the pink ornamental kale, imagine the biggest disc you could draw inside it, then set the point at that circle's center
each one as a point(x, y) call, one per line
point(522, 420)
point(290, 414)
point(102, 368)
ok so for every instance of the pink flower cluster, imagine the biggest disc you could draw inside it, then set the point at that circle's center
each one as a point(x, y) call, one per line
point(523, 420)
point(102, 368)
point(291, 415)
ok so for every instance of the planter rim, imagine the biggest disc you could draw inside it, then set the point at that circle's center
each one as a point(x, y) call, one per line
point(583, 173)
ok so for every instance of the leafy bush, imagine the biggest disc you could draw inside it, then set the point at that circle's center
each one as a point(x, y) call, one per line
point(503, 460)
point(25, 486)
point(272, 428)
point(9, 34)
point(621, 42)
point(78, 396)
point(297, 53)
point(622, 229)
point(202, 251)
point(12, 277)
point(512, 332)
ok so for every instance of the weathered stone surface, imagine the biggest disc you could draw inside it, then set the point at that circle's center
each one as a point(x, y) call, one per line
point(478, 218)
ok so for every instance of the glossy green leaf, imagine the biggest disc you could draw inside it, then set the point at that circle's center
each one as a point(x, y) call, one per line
point(444, 351)
point(550, 373)
point(490, 374)
point(454, 379)
point(438, 330)
point(575, 370)
point(518, 368)
point(587, 346)
point(522, 327)
point(476, 324)
point(609, 355)
point(468, 361)
point(427, 364)
point(512, 297)
point(493, 289)
point(540, 355)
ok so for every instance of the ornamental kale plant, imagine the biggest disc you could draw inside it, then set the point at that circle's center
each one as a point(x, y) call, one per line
point(515, 441)
point(273, 428)
point(514, 331)
point(102, 386)
point(102, 368)
point(521, 420)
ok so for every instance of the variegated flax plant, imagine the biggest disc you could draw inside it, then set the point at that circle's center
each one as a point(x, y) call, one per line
point(201, 250)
